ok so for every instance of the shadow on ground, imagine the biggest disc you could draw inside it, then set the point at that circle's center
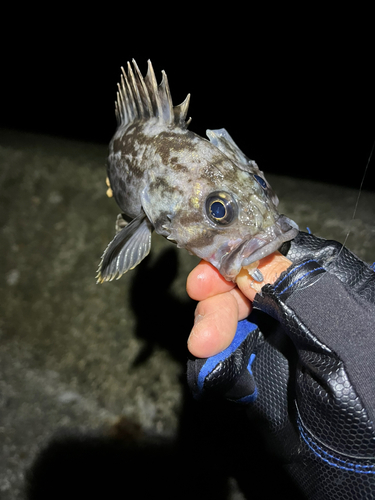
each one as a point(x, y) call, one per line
point(162, 319)
point(214, 456)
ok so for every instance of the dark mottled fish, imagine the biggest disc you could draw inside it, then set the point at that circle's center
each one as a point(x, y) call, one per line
point(206, 196)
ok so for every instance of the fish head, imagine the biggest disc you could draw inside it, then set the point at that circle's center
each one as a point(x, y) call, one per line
point(229, 214)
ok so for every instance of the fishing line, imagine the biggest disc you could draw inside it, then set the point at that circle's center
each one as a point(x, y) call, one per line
point(358, 197)
point(353, 216)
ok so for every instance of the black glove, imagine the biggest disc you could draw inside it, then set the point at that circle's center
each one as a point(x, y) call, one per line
point(304, 361)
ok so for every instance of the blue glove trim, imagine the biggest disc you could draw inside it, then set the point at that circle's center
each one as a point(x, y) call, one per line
point(244, 327)
point(332, 460)
point(298, 276)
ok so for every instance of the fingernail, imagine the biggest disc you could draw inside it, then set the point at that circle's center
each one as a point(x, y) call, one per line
point(257, 275)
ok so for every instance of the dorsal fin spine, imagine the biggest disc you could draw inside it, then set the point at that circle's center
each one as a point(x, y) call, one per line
point(152, 85)
point(122, 107)
point(124, 97)
point(181, 110)
point(135, 91)
point(132, 107)
point(145, 97)
point(166, 99)
point(119, 110)
point(141, 98)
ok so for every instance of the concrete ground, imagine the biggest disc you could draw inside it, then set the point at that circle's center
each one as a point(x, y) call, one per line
point(93, 400)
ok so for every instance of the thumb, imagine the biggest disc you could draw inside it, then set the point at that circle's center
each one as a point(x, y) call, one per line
point(271, 267)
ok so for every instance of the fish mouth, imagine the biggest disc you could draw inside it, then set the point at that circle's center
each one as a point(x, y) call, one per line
point(258, 247)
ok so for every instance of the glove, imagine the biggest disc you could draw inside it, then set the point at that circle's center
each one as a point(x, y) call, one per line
point(228, 373)
point(304, 363)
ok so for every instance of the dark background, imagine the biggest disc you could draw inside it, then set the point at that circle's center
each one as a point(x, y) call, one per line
point(295, 89)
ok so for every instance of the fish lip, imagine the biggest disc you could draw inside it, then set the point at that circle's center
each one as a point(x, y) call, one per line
point(258, 247)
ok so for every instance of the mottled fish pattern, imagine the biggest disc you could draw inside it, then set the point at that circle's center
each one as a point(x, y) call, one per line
point(204, 195)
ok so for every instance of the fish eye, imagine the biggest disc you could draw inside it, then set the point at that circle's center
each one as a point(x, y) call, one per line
point(260, 181)
point(221, 208)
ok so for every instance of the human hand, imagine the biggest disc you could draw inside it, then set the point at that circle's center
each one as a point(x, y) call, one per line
point(222, 303)
point(285, 372)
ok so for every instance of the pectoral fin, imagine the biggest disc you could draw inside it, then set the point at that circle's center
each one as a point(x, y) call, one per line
point(127, 249)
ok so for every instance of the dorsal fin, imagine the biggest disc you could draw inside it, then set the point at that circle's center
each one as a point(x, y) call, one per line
point(141, 98)
point(222, 140)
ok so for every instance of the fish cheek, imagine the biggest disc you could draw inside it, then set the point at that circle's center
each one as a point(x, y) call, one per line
point(190, 230)
point(201, 242)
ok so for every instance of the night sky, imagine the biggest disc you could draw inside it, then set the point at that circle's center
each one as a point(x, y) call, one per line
point(296, 94)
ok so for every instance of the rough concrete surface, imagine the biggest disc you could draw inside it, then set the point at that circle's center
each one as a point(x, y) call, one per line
point(93, 399)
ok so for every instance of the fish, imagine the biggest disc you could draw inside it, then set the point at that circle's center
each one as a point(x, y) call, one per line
point(204, 195)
